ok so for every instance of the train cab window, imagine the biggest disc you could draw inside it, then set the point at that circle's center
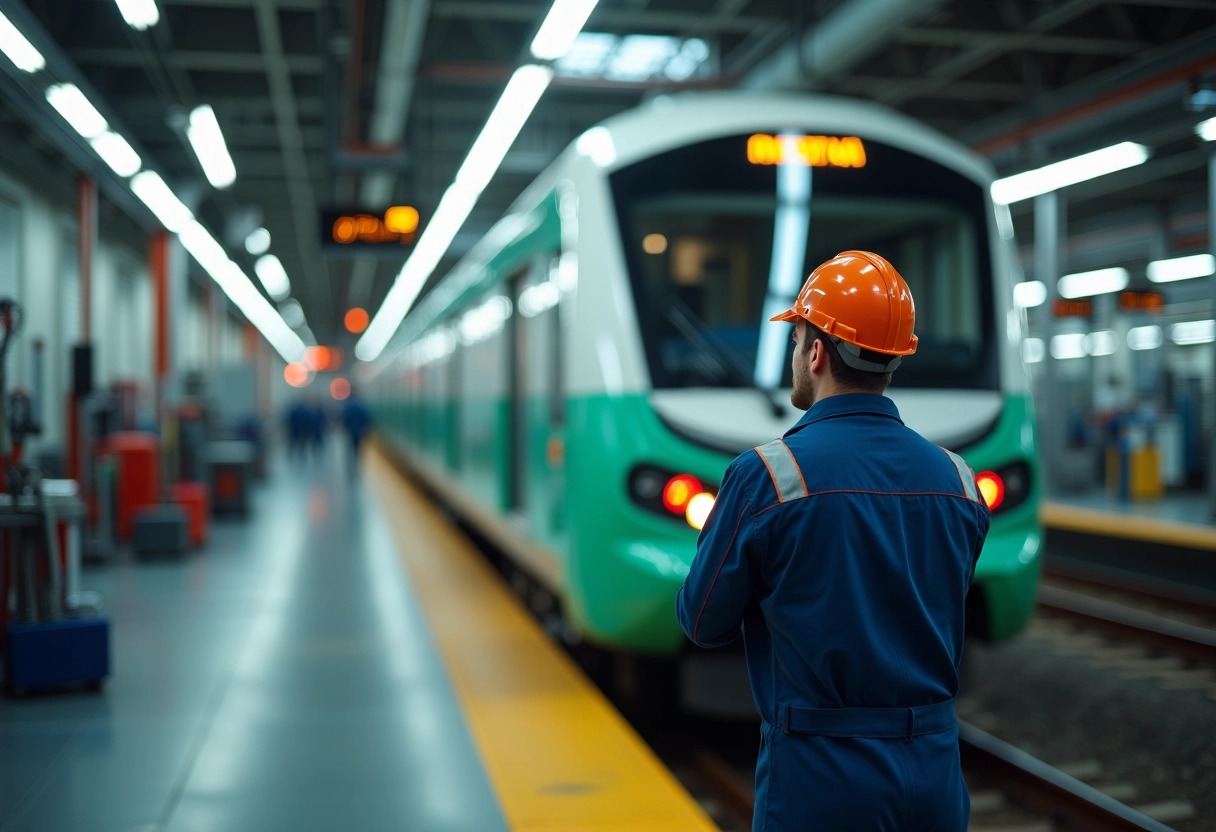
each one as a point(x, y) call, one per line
point(712, 242)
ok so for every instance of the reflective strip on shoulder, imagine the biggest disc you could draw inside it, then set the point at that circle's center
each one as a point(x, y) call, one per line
point(965, 474)
point(783, 468)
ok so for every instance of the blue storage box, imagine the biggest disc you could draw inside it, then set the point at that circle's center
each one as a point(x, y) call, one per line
point(71, 651)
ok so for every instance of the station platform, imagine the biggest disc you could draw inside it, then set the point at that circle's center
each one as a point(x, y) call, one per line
point(341, 661)
point(1170, 540)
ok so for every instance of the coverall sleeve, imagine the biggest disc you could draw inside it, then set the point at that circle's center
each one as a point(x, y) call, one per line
point(710, 605)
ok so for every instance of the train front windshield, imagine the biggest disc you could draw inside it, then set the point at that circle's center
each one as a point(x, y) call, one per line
point(719, 236)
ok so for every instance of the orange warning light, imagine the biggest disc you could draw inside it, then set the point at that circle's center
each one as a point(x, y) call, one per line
point(297, 374)
point(679, 490)
point(815, 151)
point(339, 388)
point(356, 320)
point(401, 219)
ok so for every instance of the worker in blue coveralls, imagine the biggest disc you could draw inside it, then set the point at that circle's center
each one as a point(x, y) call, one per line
point(843, 553)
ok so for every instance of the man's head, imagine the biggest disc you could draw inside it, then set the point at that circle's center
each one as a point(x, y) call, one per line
point(853, 325)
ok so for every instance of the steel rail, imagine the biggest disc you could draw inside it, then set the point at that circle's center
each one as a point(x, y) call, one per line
point(1041, 788)
point(1196, 643)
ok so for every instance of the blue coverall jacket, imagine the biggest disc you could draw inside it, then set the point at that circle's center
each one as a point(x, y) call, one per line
point(843, 552)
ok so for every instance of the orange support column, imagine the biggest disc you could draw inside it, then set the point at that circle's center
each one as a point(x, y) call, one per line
point(158, 267)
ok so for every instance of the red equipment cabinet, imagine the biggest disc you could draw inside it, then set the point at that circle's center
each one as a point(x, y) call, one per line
point(137, 462)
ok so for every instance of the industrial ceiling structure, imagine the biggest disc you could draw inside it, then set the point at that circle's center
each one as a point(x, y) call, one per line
point(365, 103)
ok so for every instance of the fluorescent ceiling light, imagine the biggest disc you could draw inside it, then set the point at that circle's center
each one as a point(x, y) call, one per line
point(1030, 293)
point(292, 312)
point(273, 276)
point(1033, 350)
point(1181, 268)
point(1144, 337)
point(208, 142)
point(258, 241)
point(240, 289)
point(1103, 342)
point(139, 14)
point(565, 20)
point(1068, 172)
point(154, 193)
point(17, 49)
point(76, 109)
point(597, 145)
point(1193, 332)
point(512, 110)
point(115, 152)
point(1070, 345)
point(525, 88)
point(1099, 282)
point(1205, 130)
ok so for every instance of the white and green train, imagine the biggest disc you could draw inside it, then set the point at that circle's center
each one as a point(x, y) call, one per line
point(600, 356)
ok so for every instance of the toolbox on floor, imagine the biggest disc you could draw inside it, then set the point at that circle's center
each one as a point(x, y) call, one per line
point(160, 530)
point(194, 500)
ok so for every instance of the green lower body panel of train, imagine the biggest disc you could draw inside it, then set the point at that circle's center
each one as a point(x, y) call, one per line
point(621, 563)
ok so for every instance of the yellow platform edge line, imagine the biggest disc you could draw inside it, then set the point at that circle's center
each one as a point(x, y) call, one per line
point(1135, 527)
point(559, 755)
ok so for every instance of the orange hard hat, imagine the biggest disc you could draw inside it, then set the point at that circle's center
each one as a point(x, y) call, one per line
point(862, 304)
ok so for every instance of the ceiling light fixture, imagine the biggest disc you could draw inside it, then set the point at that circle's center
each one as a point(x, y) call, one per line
point(525, 88)
point(273, 276)
point(154, 193)
point(208, 142)
point(258, 242)
point(17, 49)
point(1098, 282)
point(561, 26)
point(139, 14)
point(1205, 129)
point(1029, 293)
point(1193, 332)
point(1068, 172)
point(115, 152)
point(1181, 268)
point(76, 109)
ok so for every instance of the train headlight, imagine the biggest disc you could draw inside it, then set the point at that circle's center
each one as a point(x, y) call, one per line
point(679, 496)
point(1005, 487)
point(698, 510)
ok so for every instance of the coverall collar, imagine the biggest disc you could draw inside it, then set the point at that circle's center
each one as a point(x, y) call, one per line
point(847, 404)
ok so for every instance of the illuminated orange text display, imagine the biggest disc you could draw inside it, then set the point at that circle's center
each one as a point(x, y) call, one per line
point(815, 151)
point(398, 225)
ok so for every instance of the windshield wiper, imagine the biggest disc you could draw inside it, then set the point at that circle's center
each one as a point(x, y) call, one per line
point(693, 328)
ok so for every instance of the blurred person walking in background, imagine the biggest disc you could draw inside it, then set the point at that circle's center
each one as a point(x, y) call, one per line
point(357, 419)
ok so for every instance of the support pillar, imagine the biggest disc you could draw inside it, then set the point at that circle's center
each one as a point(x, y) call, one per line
point(1212, 289)
point(86, 210)
point(158, 268)
point(1048, 230)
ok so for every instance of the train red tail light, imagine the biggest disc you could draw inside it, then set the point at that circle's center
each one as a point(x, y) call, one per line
point(991, 487)
point(679, 491)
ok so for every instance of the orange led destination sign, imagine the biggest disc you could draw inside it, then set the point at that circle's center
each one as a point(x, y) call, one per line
point(399, 224)
point(1137, 301)
point(815, 151)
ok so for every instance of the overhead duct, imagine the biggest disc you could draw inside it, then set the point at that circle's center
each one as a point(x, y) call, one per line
point(404, 27)
point(844, 38)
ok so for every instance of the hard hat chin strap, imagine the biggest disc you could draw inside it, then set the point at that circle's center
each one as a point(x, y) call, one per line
point(851, 355)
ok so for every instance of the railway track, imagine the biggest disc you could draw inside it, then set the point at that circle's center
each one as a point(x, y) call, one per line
point(1046, 797)
point(1134, 615)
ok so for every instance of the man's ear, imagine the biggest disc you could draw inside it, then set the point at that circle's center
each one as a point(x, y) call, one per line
point(817, 355)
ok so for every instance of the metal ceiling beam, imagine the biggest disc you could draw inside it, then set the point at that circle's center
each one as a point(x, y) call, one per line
point(636, 19)
point(1011, 41)
point(289, 5)
point(928, 88)
point(295, 163)
point(844, 38)
point(197, 61)
point(983, 50)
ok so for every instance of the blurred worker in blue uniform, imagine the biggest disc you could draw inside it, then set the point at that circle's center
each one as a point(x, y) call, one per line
point(357, 419)
point(843, 552)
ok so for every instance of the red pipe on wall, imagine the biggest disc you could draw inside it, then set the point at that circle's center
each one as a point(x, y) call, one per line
point(158, 268)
